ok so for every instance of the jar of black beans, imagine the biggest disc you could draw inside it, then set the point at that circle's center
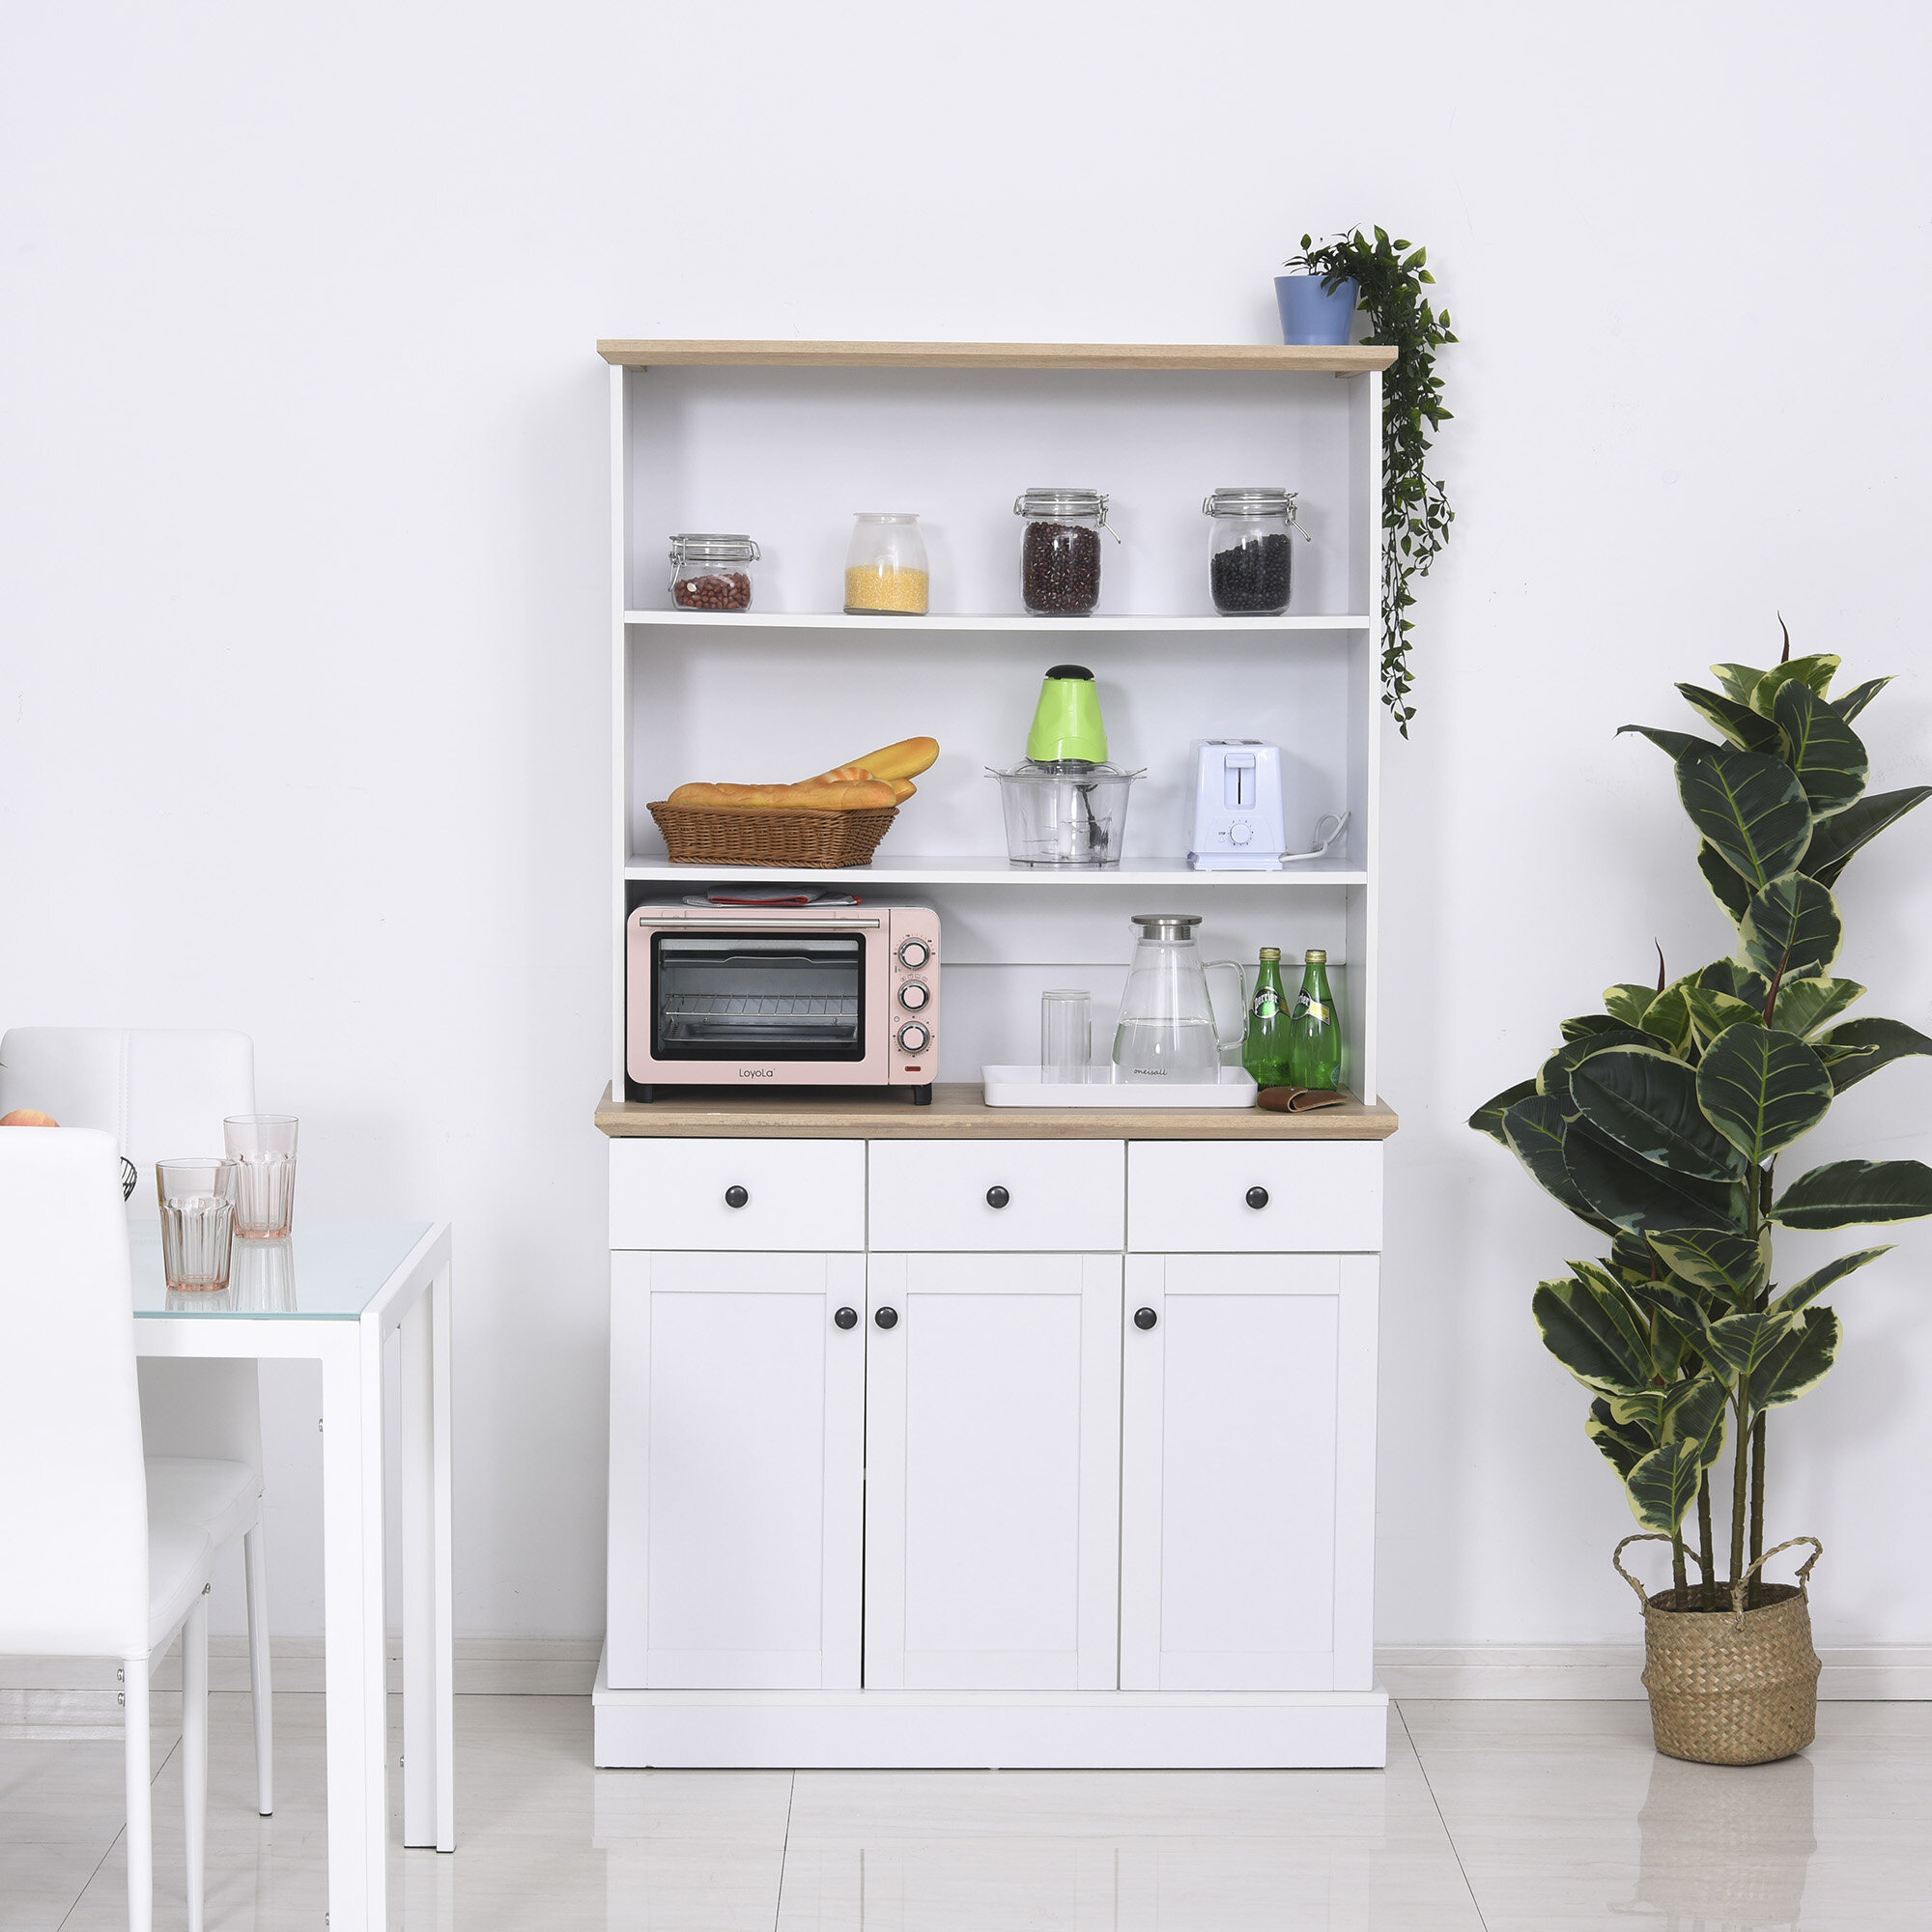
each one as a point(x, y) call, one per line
point(1060, 553)
point(1250, 550)
point(709, 571)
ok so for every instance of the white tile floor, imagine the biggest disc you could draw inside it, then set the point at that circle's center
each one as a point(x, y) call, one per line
point(1504, 1817)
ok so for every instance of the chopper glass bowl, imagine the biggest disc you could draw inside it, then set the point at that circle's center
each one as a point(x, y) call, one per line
point(1068, 813)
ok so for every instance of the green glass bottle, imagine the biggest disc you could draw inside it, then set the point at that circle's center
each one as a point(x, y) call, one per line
point(1314, 1040)
point(1264, 1047)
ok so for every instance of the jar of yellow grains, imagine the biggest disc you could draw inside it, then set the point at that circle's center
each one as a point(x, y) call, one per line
point(885, 569)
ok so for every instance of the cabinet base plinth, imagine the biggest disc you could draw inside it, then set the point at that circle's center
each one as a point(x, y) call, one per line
point(974, 1730)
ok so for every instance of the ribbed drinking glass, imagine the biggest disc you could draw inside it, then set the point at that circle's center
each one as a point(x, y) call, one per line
point(263, 1149)
point(197, 1222)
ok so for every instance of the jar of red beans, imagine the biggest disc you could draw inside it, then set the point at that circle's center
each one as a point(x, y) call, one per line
point(1060, 553)
point(710, 571)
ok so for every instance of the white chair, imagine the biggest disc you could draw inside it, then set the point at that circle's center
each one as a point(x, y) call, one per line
point(161, 1094)
point(88, 1566)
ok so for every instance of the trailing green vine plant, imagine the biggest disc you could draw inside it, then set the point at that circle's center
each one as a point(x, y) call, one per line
point(1389, 278)
point(1659, 1122)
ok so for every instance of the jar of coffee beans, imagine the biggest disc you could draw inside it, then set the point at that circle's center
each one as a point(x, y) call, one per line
point(711, 571)
point(1250, 549)
point(1060, 553)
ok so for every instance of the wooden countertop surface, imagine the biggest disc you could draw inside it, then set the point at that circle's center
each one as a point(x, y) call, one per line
point(959, 1113)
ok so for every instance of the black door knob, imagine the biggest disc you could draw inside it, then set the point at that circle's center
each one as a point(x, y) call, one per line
point(1258, 1197)
point(736, 1197)
point(997, 1197)
point(847, 1317)
point(886, 1318)
point(1145, 1317)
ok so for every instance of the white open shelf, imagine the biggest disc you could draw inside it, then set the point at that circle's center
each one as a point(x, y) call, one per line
point(840, 620)
point(895, 870)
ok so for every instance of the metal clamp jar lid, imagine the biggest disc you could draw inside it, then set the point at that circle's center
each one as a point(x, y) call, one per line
point(1251, 501)
point(711, 547)
point(1039, 502)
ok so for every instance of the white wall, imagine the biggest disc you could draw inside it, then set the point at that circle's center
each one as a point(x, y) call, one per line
point(302, 674)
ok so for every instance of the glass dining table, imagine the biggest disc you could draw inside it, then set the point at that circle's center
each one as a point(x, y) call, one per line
point(333, 1293)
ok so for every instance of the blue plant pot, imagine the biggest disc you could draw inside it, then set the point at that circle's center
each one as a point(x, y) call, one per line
point(1310, 316)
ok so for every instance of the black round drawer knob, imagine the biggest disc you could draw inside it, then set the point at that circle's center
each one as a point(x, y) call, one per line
point(1145, 1317)
point(736, 1197)
point(847, 1317)
point(886, 1318)
point(997, 1197)
point(1258, 1197)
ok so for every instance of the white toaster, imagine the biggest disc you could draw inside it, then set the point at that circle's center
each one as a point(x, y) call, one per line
point(1239, 825)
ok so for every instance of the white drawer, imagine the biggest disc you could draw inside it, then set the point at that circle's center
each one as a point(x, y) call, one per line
point(1235, 1197)
point(679, 1194)
point(934, 1197)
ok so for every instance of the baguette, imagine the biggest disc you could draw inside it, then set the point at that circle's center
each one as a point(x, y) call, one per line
point(904, 760)
point(863, 795)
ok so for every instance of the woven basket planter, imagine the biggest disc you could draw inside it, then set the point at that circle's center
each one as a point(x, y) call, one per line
point(706, 836)
point(1730, 1686)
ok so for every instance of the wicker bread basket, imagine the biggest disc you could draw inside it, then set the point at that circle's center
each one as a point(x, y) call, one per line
point(706, 836)
point(1730, 1686)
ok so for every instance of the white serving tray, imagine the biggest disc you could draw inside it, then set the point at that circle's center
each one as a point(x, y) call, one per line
point(1022, 1087)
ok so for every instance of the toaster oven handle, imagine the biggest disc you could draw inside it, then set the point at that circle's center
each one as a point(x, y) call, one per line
point(698, 925)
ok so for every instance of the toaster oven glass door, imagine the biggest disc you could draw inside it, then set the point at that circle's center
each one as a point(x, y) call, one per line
point(757, 996)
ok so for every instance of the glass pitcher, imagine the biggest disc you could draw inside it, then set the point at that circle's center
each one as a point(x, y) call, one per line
point(1169, 1033)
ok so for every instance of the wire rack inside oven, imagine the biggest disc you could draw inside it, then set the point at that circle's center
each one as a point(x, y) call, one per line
point(703, 1012)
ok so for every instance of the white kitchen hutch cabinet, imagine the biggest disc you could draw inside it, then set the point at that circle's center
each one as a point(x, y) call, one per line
point(954, 1436)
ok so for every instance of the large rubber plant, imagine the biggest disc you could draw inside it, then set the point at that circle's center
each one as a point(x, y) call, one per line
point(1665, 1123)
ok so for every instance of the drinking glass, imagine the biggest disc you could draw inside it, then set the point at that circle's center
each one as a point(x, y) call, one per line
point(197, 1222)
point(1066, 1034)
point(263, 1149)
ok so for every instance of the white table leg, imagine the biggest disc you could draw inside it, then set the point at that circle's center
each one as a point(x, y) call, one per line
point(429, 1685)
point(352, 1634)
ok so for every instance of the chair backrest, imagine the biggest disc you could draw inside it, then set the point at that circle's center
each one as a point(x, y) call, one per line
point(73, 1497)
point(159, 1092)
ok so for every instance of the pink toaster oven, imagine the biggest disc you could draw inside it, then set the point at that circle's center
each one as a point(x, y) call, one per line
point(782, 996)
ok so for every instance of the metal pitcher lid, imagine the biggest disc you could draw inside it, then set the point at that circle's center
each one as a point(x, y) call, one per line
point(1167, 925)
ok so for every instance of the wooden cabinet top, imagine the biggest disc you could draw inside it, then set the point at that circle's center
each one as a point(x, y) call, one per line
point(1349, 359)
point(959, 1113)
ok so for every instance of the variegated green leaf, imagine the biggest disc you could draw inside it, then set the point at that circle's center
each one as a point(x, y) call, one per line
point(1797, 1362)
point(1858, 697)
point(1695, 1411)
point(1835, 840)
point(1791, 928)
point(1740, 1343)
point(1814, 672)
point(1733, 1266)
point(1732, 892)
point(1648, 1102)
point(1663, 1485)
point(1829, 1275)
point(1593, 1328)
point(1735, 718)
point(1827, 755)
point(1858, 1048)
point(1762, 1087)
point(1586, 1026)
point(1674, 744)
point(1853, 1193)
point(1803, 1005)
point(1711, 1012)
point(1552, 1077)
point(1732, 977)
point(1667, 1018)
point(1739, 681)
point(1627, 1002)
point(1751, 808)
point(1536, 1130)
point(1488, 1119)
point(1623, 1446)
point(1640, 1195)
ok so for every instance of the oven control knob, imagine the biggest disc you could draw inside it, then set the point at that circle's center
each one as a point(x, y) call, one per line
point(913, 954)
point(914, 1037)
point(913, 995)
point(1240, 832)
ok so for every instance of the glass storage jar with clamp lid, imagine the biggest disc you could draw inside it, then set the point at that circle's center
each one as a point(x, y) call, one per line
point(1250, 549)
point(711, 571)
point(1059, 554)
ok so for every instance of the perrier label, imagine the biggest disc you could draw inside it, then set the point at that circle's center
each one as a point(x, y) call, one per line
point(1314, 1040)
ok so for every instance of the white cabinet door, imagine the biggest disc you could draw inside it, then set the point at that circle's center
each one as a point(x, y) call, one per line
point(737, 1471)
point(992, 1479)
point(1247, 1487)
